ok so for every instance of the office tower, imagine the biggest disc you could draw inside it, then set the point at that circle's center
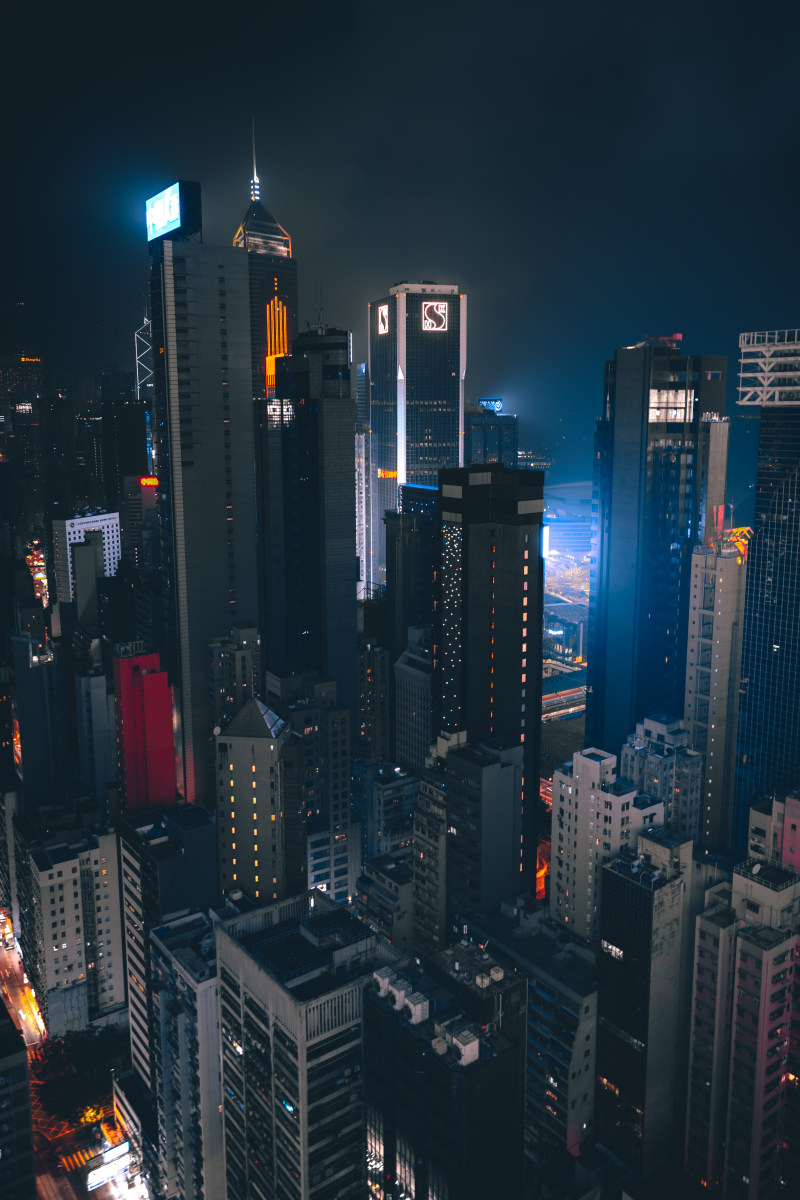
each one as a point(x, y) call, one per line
point(318, 782)
point(659, 761)
point(140, 520)
point(429, 862)
point(292, 979)
point(187, 1086)
point(124, 434)
point(203, 458)
point(68, 893)
point(488, 631)
point(565, 629)
point(234, 673)
point(474, 789)
point(168, 859)
point(490, 435)
point(595, 816)
point(651, 896)
point(417, 363)
point(307, 514)
point(384, 898)
point(411, 563)
point(97, 732)
point(363, 442)
point(261, 823)
point(39, 728)
point(443, 1073)
point(660, 466)
point(742, 1119)
point(562, 1025)
point(713, 663)
point(272, 274)
point(17, 1180)
point(68, 533)
point(374, 693)
point(768, 740)
point(143, 705)
point(413, 700)
point(386, 796)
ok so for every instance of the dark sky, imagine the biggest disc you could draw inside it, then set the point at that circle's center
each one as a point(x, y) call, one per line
point(588, 173)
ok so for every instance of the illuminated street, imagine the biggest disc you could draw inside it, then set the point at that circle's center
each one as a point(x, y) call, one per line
point(19, 998)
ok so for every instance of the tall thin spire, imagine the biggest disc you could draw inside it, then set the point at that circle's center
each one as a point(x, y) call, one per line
point(255, 189)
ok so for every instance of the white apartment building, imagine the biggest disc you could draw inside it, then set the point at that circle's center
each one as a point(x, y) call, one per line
point(595, 815)
point(67, 532)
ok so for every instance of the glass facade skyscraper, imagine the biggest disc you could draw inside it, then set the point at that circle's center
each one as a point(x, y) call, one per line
point(417, 364)
point(768, 743)
point(659, 474)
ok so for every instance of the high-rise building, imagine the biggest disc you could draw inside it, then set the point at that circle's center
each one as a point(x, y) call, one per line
point(417, 364)
point(386, 796)
point(234, 673)
point(261, 826)
point(444, 1071)
point(292, 979)
point(203, 459)
point(40, 740)
point(595, 815)
point(168, 861)
point(97, 732)
point(68, 533)
point(488, 630)
point(143, 703)
point(413, 700)
point(273, 288)
point(562, 1025)
point(68, 888)
point(713, 663)
point(411, 561)
point(743, 1104)
point(490, 435)
point(659, 761)
point(651, 896)
point(660, 468)
point(307, 513)
point(768, 740)
point(187, 1086)
point(318, 780)
point(429, 863)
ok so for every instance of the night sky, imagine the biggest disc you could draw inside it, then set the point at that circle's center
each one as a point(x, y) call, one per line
point(588, 173)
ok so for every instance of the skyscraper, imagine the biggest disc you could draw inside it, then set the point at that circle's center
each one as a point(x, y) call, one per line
point(272, 274)
point(143, 704)
point(306, 512)
point(768, 742)
point(713, 663)
point(659, 471)
point(417, 364)
point(203, 451)
point(488, 631)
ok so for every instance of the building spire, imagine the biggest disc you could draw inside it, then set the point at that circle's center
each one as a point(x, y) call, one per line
point(255, 189)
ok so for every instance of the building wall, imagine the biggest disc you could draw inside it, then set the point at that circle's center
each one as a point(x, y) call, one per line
point(67, 533)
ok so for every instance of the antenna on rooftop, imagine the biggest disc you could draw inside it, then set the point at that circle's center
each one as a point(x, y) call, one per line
point(255, 190)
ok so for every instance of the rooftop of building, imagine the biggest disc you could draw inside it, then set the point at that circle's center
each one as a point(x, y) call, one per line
point(634, 869)
point(191, 942)
point(255, 720)
point(768, 874)
point(568, 611)
point(765, 938)
point(390, 868)
point(431, 1012)
point(317, 947)
point(543, 951)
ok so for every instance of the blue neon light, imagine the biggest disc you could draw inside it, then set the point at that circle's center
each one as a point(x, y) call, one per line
point(163, 212)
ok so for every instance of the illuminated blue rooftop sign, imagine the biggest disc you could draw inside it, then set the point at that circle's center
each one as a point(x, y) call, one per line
point(163, 212)
point(491, 405)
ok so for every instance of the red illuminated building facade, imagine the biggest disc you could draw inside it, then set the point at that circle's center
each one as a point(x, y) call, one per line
point(145, 750)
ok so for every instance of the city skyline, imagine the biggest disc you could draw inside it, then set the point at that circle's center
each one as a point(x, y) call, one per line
point(552, 192)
